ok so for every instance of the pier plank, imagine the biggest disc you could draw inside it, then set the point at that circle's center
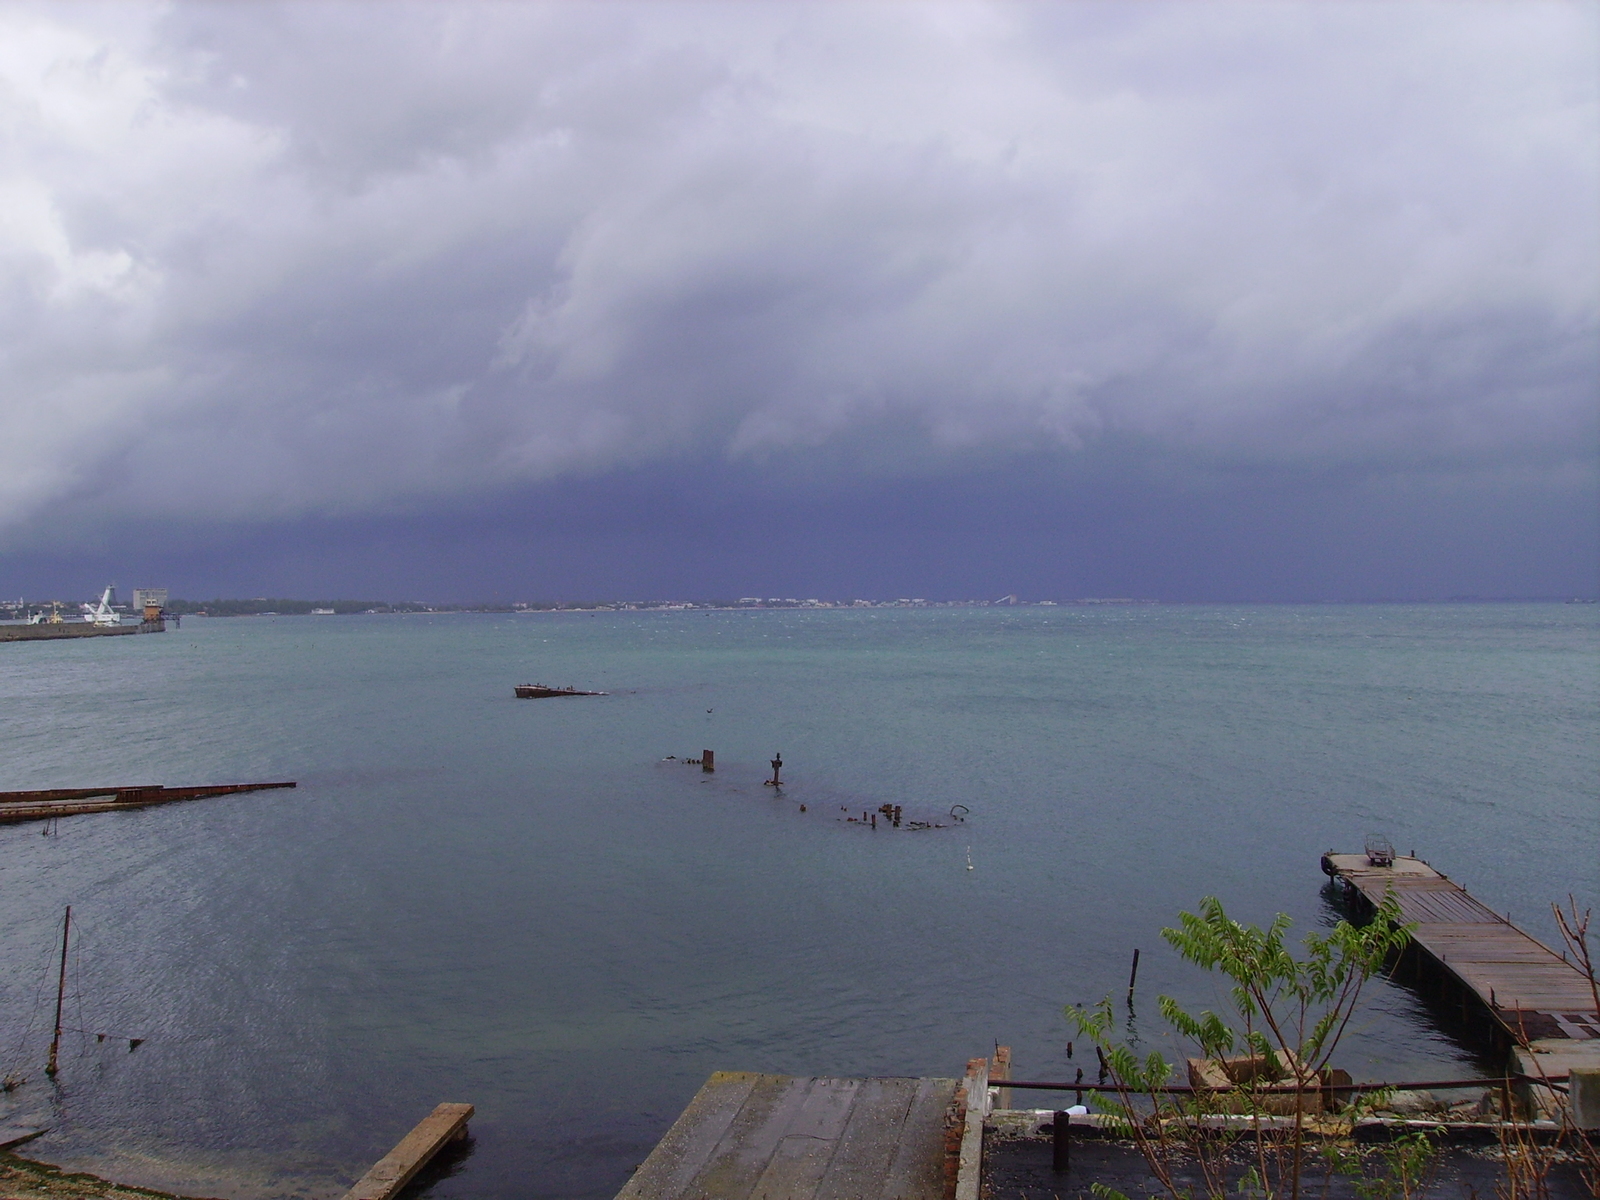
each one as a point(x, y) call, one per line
point(803, 1154)
point(867, 1147)
point(752, 1139)
point(693, 1138)
point(914, 1174)
point(777, 1137)
point(400, 1166)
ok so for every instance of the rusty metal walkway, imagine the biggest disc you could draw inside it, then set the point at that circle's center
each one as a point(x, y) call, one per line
point(71, 802)
point(1532, 992)
point(776, 1137)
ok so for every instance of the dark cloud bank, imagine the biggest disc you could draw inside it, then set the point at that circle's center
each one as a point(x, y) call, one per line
point(1191, 301)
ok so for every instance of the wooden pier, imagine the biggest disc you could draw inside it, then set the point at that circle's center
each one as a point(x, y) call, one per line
point(775, 1137)
point(72, 802)
point(1542, 1005)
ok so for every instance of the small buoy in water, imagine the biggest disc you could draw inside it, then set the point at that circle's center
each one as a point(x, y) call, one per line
point(802, 808)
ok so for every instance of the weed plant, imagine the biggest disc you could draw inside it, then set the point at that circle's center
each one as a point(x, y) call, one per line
point(1249, 1136)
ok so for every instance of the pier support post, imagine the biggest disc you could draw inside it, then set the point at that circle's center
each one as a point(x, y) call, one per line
point(1583, 1085)
point(708, 761)
point(1061, 1143)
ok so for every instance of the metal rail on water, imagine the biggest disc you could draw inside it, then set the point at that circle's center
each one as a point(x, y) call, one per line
point(1178, 1089)
point(44, 804)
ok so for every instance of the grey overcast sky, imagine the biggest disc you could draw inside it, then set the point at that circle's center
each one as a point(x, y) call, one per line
point(1199, 301)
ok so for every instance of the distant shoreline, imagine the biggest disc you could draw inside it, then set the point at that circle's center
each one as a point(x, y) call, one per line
point(13, 615)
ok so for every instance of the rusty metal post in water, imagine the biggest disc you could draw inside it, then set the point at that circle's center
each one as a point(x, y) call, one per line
point(61, 991)
point(777, 766)
point(708, 760)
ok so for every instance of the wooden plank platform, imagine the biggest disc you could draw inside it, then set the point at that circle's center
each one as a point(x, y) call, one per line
point(1531, 992)
point(777, 1137)
point(71, 802)
point(399, 1167)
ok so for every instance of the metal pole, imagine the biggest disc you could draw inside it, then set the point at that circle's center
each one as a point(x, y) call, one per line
point(61, 991)
point(1553, 1081)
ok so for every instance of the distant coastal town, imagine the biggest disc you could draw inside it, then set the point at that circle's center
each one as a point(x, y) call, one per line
point(266, 606)
point(32, 609)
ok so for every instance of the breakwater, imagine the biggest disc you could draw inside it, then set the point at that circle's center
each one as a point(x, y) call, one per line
point(74, 629)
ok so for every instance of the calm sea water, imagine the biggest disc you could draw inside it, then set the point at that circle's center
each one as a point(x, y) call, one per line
point(520, 905)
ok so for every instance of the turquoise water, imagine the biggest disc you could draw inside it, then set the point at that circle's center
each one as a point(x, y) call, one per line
point(520, 905)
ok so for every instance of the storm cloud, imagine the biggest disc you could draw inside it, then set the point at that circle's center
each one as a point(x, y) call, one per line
point(319, 262)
